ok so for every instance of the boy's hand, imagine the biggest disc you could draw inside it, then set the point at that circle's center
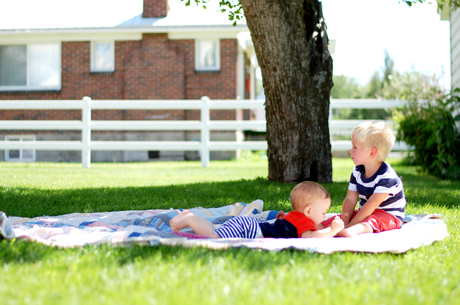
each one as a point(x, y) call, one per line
point(337, 224)
point(280, 215)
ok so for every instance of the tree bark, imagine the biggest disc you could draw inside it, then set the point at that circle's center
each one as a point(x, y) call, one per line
point(290, 41)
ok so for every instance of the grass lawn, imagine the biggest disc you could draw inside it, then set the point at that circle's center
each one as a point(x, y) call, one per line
point(35, 274)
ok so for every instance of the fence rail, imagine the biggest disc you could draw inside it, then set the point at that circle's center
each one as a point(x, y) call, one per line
point(347, 125)
point(205, 125)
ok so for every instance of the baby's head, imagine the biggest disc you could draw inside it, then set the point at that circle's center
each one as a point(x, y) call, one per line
point(375, 134)
point(307, 194)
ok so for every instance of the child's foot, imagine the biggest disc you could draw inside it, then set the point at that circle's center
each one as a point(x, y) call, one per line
point(180, 221)
point(6, 230)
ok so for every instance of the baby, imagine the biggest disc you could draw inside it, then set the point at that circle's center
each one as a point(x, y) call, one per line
point(309, 201)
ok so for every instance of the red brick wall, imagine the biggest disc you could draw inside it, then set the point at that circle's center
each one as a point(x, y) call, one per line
point(153, 68)
point(77, 80)
point(155, 8)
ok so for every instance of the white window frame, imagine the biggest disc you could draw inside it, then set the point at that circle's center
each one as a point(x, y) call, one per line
point(31, 138)
point(93, 56)
point(27, 87)
point(198, 51)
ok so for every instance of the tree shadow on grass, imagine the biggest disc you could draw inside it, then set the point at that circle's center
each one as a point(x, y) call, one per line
point(27, 202)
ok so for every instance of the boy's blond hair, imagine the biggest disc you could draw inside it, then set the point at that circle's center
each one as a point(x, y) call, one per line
point(375, 134)
point(306, 193)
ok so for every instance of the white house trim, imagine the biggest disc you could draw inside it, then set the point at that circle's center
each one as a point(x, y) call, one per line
point(130, 29)
point(240, 72)
point(117, 34)
point(211, 34)
point(44, 37)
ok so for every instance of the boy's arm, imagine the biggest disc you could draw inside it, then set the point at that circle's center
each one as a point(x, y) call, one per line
point(369, 207)
point(349, 205)
point(336, 226)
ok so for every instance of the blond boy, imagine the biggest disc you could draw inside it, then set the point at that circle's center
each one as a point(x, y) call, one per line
point(380, 190)
point(309, 201)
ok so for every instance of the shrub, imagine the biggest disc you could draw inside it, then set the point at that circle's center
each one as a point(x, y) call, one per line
point(430, 127)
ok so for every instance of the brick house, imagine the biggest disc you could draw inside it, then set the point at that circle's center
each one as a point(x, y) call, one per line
point(157, 55)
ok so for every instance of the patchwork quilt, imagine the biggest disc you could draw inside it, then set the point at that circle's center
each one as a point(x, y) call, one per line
point(152, 227)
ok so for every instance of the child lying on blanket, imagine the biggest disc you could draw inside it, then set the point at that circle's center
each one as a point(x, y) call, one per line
point(382, 204)
point(309, 200)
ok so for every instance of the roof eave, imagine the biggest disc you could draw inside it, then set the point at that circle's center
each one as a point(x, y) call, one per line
point(130, 29)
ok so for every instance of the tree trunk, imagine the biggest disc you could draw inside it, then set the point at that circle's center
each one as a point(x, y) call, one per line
point(290, 41)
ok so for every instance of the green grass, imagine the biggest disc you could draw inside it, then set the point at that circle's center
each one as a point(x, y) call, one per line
point(32, 273)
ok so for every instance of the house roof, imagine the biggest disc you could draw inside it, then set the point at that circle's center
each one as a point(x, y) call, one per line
point(57, 16)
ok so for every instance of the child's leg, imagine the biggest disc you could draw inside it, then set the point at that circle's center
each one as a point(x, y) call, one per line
point(378, 221)
point(357, 229)
point(198, 224)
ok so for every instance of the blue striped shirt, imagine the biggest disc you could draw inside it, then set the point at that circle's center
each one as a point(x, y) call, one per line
point(385, 180)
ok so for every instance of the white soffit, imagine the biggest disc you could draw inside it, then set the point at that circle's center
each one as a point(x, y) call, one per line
point(64, 35)
point(119, 33)
point(210, 34)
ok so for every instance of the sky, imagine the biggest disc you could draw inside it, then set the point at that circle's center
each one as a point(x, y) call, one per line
point(415, 37)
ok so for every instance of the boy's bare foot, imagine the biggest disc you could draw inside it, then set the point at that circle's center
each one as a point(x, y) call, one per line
point(180, 221)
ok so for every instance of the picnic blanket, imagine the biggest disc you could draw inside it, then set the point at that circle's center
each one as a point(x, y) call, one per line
point(152, 227)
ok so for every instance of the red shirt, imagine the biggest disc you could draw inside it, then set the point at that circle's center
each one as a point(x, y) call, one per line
point(291, 226)
point(300, 221)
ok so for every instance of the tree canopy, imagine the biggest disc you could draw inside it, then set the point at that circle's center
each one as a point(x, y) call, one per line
point(235, 10)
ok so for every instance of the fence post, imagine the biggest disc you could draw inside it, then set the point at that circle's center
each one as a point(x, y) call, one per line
point(205, 117)
point(86, 133)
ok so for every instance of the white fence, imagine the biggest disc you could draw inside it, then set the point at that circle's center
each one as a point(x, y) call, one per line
point(348, 125)
point(205, 125)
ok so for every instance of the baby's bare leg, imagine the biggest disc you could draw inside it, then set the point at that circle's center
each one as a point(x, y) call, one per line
point(357, 229)
point(198, 224)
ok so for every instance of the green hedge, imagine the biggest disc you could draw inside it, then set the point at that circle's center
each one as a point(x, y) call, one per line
point(431, 128)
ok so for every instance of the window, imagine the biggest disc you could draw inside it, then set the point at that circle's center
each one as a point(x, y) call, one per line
point(102, 56)
point(20, 154)
point(154, 154)
point(30, 67)
point(207, 55)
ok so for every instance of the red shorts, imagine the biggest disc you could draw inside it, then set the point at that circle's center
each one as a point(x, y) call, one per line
point(379, 221)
